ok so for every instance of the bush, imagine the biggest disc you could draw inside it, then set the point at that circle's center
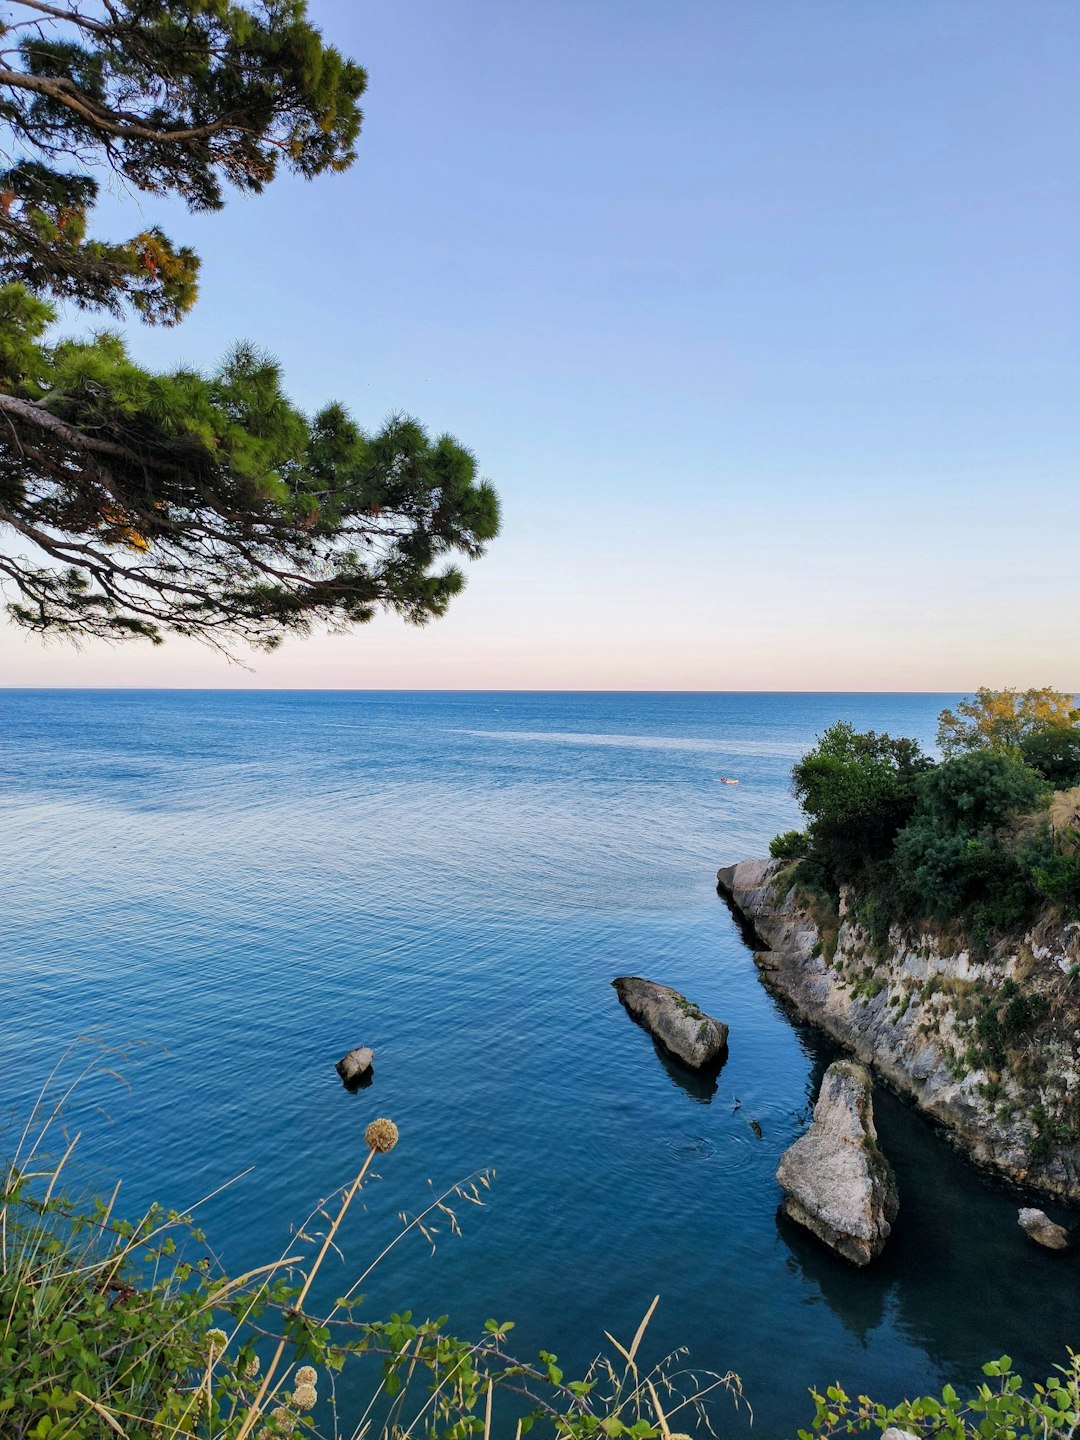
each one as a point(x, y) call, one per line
point(792, 845)
point(858, 791)
point(920, 841)
point(957, 859)
point(977, 793)
point(999, 1409)
point(1058, 878)
point(1055, 754)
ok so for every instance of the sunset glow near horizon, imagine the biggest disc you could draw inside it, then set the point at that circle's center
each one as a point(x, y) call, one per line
point(762, 321)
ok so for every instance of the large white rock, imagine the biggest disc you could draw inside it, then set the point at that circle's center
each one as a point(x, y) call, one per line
point(692, 1036)
point(1042, 1229)
point(837, 1182)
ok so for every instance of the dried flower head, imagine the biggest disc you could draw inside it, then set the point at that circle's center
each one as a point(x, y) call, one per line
point(251, 1369)
point(306, 1375)
point(283, 1420)
point(381, 1135)
point(217, 1339)
point(304, 1397)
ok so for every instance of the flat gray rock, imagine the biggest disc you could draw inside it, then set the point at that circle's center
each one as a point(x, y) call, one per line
point(837, 1183)
point(690, 1035)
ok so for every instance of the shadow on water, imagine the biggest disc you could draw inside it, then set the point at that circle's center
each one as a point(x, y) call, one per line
point(958, 1277)
point(747, 934)
point(857, 1299)
point(700, 1085)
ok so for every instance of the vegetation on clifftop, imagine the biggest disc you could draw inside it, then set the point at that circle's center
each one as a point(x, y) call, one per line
point(983, 838)
point(976, 852)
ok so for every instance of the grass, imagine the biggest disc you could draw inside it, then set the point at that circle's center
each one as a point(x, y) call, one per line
point(116, 1328)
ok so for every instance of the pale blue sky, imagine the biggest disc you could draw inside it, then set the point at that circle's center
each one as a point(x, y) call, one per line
point(762, 317)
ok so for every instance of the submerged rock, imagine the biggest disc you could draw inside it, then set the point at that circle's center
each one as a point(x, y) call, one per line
point(838, 1184)
point(1042, 1230)
point(355, 1067)
point(692, 1036)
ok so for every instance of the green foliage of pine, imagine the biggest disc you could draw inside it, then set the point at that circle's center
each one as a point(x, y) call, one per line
point(141, 504)
point(210, 506)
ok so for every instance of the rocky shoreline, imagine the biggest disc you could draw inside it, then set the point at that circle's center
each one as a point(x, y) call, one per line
point(915, 1011)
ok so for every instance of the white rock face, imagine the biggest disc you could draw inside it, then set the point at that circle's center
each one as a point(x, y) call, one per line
point(904, 1010)
point(692, 1036)
point(837, 1183)
point(1042, 1229)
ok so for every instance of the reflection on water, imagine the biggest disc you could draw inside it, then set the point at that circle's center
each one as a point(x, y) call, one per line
point(859, 1308)
point(701, 1084)
point(276, 875)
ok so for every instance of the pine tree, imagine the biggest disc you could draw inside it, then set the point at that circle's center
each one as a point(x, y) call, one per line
point(204, 505)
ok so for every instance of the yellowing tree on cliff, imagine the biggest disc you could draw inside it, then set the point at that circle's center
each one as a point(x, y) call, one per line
point(1003, 719)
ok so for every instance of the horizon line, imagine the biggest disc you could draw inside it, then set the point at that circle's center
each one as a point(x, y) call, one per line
point(447, 690)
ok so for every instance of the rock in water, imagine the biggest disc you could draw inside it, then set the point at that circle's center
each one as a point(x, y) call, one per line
point(1042, 1230)
point(354, 1066)
point(837, 1182)
point(691, 1036)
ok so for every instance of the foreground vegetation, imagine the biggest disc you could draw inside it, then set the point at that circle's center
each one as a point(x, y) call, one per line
point(983, 838)
point(112, 1328)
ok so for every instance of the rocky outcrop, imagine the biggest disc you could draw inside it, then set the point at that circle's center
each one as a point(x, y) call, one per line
point(685, 1031)
point(931, 1017)
point(1042, 1230)
point(836, 1181)
point(355, 1067)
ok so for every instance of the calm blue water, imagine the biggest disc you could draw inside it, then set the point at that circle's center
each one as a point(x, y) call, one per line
point(252, 883)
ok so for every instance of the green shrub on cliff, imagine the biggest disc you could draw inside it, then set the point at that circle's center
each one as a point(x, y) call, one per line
point(858, 791)
point(963, 840)
point(958, 857)
point(1055, 754)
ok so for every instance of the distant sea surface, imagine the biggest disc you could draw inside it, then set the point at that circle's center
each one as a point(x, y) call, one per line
point(239, 887)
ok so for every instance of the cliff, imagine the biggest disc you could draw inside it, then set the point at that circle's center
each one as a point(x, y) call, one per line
point(988, 1045)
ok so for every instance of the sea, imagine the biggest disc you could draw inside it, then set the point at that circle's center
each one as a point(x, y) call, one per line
point(210, 896)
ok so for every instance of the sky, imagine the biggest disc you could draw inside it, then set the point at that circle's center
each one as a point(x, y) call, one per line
point(762, 318)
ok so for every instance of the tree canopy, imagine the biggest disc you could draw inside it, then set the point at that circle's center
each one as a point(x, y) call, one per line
point(205, 505)
point(968, 839)
point(858, 790)
point(1002, 719)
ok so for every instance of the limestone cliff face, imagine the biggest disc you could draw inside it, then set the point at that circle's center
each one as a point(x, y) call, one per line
point(989, 1046)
